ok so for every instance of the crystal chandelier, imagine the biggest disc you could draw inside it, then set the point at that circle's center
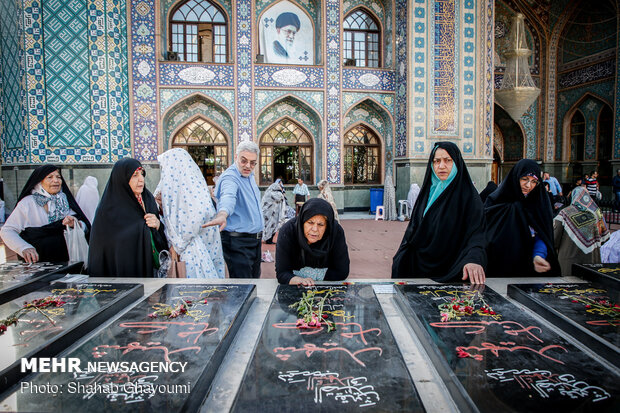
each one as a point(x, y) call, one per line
point(517, 91)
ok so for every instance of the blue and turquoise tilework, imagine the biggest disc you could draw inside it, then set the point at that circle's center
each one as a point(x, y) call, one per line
point(367, 79)
point(169, 97)
point(568, 98)
point(187, 110)
point(144, 132)
point(333, 90)
point(401, 70)
point(263, 98)
point(14, 145)
point(180, 74)
point(244, 70)
point(445, 16)
point(305, 77)
point(386, 100)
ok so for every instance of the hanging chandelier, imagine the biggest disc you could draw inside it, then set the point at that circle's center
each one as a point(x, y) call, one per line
point(517, 91)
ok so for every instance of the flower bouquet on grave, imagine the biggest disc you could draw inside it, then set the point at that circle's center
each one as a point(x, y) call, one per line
point(37, 305)
point(457, 308)
point(310, 313)
point(168, 311)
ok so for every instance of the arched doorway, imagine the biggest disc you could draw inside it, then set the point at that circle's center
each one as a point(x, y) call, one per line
point(495, 172)
point(362, 156)
point(605, 144)
point(286, 153)
point(512, 134)
point(206, 144)
point(577, 145)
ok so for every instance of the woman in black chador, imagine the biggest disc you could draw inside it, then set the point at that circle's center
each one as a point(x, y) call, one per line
point(520, 225)
point(312, 247)
point(445, 237)
point(35, 228)
point(127, 234)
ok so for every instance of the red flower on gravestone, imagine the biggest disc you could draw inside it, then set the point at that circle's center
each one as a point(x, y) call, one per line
point(458, 307)
point(39, 305)
point(311, 313)
point(182, 308)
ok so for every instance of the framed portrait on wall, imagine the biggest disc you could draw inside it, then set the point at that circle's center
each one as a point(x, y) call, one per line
point(286, 35)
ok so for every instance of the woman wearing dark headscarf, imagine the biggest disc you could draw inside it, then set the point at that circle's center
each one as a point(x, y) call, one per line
point(520, 225)
point(579, 231)
point(127, 235)
point(488, 190)
point(445, 237)
point(312, 247)
point(35, 228)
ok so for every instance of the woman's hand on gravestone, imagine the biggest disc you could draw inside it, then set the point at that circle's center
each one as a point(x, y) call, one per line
point(30, 255)
point(474, 272)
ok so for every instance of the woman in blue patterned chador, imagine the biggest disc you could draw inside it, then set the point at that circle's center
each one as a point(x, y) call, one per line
point(579, 231)
point(186, 205)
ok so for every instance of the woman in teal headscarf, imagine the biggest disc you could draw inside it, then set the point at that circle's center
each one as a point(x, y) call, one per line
point(445, 237)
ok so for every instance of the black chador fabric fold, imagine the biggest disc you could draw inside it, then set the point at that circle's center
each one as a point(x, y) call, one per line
point(488, 190)
point(49, 240)
point(120, 242)
point(509, 215)
point(451, 234)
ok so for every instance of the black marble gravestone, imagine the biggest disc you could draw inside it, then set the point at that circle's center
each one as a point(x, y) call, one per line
point(494, 357)
point(357, 367)
point(46, 332)
point(141, 363)
point(607, 275)
point(18, 278)
point(588, 312)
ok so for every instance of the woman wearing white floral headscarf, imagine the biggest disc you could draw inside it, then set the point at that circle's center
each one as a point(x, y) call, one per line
point(579, 231)
point(186, 205)
point(325, 192)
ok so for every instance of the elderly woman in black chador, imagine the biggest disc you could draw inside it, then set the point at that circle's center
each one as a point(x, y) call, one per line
point(35, 228)
point(127, 235)
point(445, 237)
point(520, 225)
point(312, 247)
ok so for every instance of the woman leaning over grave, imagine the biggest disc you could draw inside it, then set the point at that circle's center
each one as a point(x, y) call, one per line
point(312, 247)
point(520, 225)
point(444, 240)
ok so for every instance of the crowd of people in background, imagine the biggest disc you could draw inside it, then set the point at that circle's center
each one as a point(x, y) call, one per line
point(528, 225)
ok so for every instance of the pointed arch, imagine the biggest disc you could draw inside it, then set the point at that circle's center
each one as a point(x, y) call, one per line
point(199, 31)
point(362, 38)
point(514, 147)
point(362, 158)
point(566, 142)
point(300, 112)
point(286, 152)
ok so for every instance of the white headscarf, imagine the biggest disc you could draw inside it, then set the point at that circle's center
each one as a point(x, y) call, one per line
point(389, 200)
point(412, 196)
point(88, 197)
point(186, 205)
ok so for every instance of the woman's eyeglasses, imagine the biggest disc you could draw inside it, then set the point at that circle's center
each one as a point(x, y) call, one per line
point(527, 181)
